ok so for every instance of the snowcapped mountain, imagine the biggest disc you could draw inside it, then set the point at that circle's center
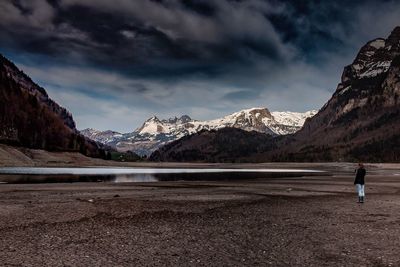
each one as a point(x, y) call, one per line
point(289, 122)
point(103, 137)
point(155, 133)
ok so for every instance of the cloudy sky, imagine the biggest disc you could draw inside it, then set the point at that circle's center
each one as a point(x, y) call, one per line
point(115, 63)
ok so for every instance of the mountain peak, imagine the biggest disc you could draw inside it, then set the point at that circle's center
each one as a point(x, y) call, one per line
point(104, 137)
point(185, 118)
point(174, 120)
point(372, 61)
point(394, 38)
point(395, 32)
point(153, 118)
point(377, 43)
point(89, 130)
point(260, 109)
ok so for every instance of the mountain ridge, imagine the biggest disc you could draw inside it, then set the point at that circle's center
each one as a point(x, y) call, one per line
point(156, 132)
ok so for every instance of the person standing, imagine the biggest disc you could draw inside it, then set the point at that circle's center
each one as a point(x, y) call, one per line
point(360, 182)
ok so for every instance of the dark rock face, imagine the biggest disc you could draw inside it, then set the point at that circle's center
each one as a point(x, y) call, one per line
point(29, 118)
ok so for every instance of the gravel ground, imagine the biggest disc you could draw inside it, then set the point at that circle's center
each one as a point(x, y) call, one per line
point(309, 221)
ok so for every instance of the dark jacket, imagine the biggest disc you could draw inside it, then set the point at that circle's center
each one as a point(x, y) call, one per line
point(360, 176)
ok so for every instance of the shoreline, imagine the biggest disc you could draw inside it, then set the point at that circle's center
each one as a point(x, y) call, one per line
point(22, 157)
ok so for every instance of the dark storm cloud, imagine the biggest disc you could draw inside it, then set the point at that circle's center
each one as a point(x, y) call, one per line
point(171, 36)
point(202, 57)
point(177, 35)
point(154, 38)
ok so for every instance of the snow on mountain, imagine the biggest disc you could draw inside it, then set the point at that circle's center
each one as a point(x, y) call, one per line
point(290, 122)
point(373, 64)
point(373, 59)
point(103, 137)
point(151, 126)
point(155, 132)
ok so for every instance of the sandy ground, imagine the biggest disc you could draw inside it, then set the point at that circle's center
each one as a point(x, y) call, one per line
point(308, 221)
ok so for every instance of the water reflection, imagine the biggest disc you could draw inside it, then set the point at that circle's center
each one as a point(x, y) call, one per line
point(124, 175)
point(135, 178)
point(115, 171)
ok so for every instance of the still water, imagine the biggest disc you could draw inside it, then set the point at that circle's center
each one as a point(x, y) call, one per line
point(121, 175)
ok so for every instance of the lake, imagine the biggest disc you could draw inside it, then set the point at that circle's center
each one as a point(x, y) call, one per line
point(123, 175)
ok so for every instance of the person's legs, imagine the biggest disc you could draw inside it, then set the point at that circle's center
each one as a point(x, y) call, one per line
point(362, 188)
point(358, 188)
